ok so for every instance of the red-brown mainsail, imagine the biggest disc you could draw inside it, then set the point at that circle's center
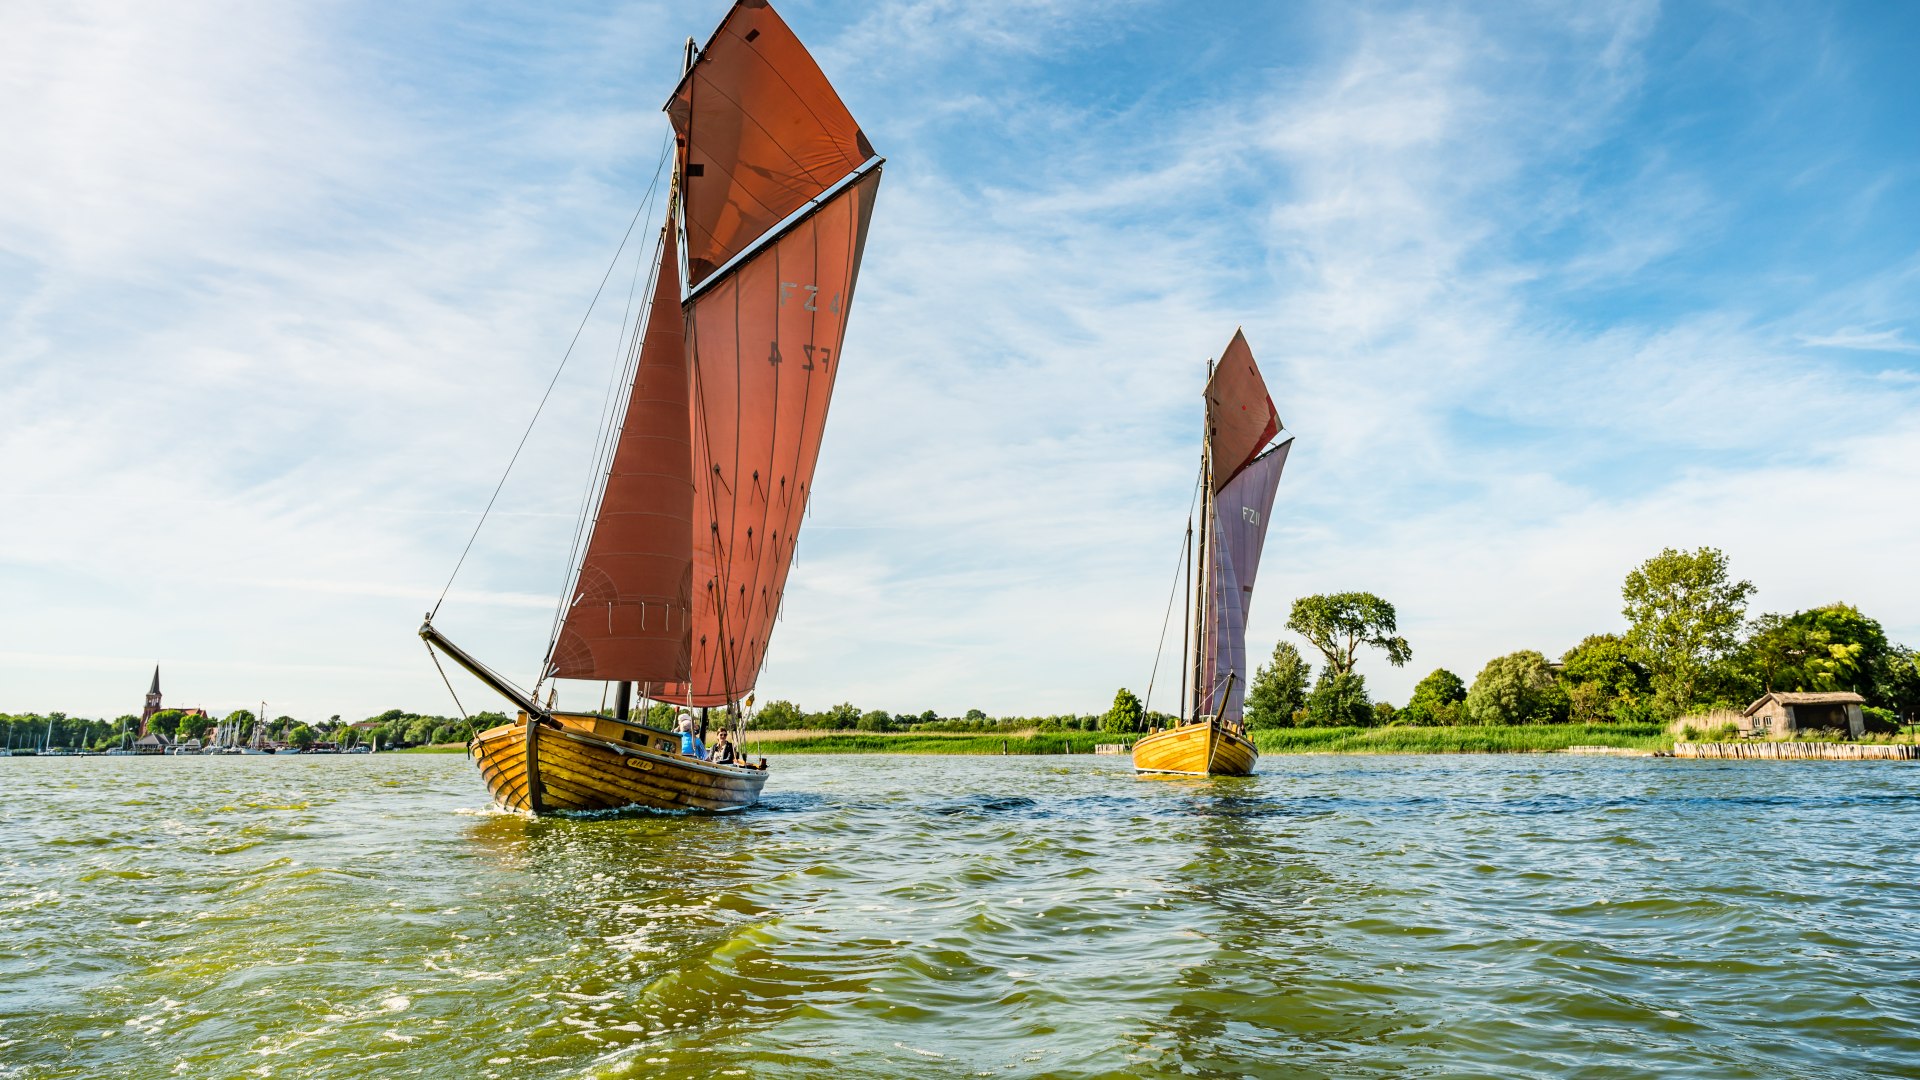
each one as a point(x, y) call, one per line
point(776, 186)
point(695, 527)
point(631, 608)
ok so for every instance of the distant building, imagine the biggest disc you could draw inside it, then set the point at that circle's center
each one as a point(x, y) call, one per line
point(153, 706)
point(1781, 714)
point(152, 742)
point(153, 700)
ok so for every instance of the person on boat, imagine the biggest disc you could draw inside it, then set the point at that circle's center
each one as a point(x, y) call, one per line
point(724, 752)
point(690, 737)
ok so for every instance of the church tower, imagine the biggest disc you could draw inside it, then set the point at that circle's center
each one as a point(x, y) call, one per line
point(153, 701)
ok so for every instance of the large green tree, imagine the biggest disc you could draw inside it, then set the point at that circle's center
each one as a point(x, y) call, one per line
point(1683, 613)
point(1278, 690)
point(1124, 715)
point(1518, 688)
point(1436, 699)
point(1857, 646)
point(1602, 677)
point(1783, 652)
point(1339, 701)
point(1338, 624)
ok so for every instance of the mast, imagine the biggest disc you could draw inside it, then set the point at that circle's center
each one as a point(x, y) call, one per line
point(623, 694)
point(1201, 594)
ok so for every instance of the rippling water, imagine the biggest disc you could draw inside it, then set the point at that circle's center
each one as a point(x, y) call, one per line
point(947, 917)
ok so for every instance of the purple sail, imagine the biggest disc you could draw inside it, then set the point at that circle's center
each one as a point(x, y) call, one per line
point(1242, 511)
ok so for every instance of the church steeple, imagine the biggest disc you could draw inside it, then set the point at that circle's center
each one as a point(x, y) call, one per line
point(153, 701)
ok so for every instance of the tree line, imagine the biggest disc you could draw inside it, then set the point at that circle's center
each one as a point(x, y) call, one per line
point(786, 716)
point(1689, 646)
point(392, 729)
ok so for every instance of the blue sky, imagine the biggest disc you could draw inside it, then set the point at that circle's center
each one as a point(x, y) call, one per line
point(1540, 289)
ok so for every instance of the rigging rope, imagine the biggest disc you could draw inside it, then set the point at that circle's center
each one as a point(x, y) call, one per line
point(1146, 707)
point(551, 383)
point(449, 682)
point(612, 417)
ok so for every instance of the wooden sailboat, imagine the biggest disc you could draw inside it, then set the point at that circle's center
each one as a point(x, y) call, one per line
point(1239, 474)
point(694, 530)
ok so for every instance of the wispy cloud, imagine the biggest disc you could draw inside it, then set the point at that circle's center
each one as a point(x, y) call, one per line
point(1893, 341)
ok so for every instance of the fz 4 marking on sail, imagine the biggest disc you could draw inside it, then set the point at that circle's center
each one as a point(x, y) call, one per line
point(1252, 515)
point(813, 293)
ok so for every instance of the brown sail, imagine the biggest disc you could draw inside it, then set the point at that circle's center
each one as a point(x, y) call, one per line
point(761, 133)
point(765, 342)
point(629, 617)
point(1240, 414)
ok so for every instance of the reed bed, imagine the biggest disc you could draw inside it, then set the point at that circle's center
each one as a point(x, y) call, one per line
point(1522, 739)
point(1717, 723)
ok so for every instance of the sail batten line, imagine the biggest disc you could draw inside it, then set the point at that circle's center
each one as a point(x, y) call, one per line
point(788, 224)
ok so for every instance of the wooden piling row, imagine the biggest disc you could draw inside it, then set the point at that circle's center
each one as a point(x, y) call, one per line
point(1797, 751)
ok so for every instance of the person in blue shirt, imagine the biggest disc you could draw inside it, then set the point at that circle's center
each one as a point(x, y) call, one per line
point(690, 744)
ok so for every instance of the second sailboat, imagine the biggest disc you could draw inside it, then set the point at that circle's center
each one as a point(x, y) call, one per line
point(1239, 474)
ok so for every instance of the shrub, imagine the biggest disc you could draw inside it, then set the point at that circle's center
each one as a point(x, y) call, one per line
point(1279, 689)
point(1339, 701)
point(1880, 721)
point(1518, 688)
point(1432, 697)
point(1124, 715)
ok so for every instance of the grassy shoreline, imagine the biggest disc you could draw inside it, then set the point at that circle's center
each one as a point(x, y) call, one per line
point(1526, 739)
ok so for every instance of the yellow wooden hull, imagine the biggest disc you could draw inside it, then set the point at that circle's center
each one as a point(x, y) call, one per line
point(590, 763)
point(1201, 749)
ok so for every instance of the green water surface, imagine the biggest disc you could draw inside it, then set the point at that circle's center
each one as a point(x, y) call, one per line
point(947, 917)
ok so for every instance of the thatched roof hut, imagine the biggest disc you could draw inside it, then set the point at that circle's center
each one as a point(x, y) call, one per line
point(1780, 714)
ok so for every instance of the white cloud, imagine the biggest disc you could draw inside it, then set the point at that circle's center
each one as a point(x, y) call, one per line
point(1894, 340)
point(253, 409)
